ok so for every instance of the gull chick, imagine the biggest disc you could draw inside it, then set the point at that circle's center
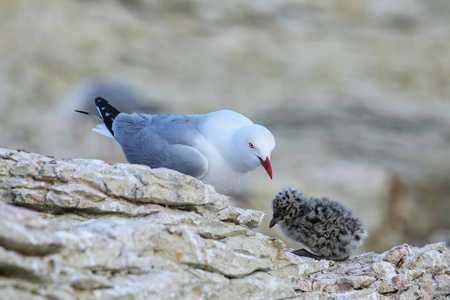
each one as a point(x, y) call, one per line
point(326, 227)
point(219, 148)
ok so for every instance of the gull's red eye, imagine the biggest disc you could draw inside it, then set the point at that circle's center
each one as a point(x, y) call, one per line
point(251, 145)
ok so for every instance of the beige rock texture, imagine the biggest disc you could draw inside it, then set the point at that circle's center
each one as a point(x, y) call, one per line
point(356, 92)
point(85, 229)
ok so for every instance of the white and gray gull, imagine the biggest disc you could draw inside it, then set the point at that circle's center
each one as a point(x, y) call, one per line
point(220, 148)
point(326, 227)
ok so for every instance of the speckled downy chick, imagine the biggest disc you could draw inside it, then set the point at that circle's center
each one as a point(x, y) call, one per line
point(327, 228)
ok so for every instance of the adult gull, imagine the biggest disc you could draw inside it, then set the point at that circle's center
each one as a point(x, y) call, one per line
point(220, 148)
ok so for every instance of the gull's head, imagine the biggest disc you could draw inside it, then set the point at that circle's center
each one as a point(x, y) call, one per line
point(255, 144)
point(282, 204)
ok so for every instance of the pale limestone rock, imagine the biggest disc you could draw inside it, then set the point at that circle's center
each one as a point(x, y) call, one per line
point(128, 232)
point(402, 271)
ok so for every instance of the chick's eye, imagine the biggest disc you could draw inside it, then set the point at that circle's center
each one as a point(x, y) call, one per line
point(251, 145)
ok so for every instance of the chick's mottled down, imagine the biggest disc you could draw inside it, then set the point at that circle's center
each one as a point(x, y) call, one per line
point(327, 228)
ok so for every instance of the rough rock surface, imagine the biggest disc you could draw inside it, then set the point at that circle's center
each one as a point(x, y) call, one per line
point(94, 231)
point(355, 92)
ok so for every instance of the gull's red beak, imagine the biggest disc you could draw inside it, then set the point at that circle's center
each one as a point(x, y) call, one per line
point(266, 165)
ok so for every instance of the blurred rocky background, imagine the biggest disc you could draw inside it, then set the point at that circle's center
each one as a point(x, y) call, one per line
point(356, 92)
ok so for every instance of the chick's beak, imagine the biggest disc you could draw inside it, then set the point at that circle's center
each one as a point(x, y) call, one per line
point(273, 222)
point(266, 165)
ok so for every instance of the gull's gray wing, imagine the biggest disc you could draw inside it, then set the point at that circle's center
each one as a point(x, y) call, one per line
point(161, 141)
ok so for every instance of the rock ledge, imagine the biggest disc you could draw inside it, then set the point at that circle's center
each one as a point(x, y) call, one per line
point(89, 230)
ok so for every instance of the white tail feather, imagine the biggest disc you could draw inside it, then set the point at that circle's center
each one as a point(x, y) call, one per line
point(103, 130)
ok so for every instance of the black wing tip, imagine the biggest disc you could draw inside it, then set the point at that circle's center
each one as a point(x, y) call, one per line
point(100, 101)
point(81, 112)
point(102, 104)
point(107, 112)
